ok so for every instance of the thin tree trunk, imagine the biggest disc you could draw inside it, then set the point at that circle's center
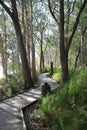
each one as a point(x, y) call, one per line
point(33, 46)
point(24, 21)
point(81, 40)
point(76, 60)
point(41, 53)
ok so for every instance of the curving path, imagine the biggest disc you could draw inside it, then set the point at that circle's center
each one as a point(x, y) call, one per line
point(42, 78)
point(11, 116)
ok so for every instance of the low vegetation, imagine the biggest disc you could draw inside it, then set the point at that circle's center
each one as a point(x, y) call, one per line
point(66, 109)
point(12, 86)
point(57, 74)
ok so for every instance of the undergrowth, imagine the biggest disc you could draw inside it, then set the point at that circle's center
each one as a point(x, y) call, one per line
point(66, 109)
point(56, 74)
point(15, 84)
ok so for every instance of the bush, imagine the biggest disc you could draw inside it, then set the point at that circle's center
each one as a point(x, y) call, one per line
point(14, 85)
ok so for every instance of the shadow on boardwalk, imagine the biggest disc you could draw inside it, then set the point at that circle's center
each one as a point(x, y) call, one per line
point(11, 116)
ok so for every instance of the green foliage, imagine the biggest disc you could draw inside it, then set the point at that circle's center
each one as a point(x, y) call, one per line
point(67, 108)
point(14, 85)
point(78, 84)
point(57, 74)
point(45, 69)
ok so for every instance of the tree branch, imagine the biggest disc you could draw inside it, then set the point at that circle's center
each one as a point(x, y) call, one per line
point(73, 7)
point(76, 24)
point(49, 5)
point(6, 8)
point(14, 9)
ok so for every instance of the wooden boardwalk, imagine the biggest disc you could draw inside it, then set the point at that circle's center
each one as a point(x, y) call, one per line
point(11, 116)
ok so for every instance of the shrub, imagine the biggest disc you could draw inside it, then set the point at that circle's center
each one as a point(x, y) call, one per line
point(14, 85)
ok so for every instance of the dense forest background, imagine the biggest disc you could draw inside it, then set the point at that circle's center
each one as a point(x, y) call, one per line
point(43, 33)
point(39, 36)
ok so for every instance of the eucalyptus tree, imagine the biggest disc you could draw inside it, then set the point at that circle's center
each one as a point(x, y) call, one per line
point(51, 53)
point(32, 40)
point(78, 49)
point(27, 21)
point(13, 13)
point(40, 22)
point(64, 48)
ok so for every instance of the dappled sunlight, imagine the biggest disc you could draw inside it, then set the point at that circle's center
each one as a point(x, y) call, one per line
point(10, 109)
point(35, 92)
point(20, 101)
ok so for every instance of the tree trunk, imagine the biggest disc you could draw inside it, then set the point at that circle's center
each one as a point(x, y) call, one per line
point(64, 65)
point(26, 28)
point(26, 70)
point(41, 53)
point(41, 61)
point(32, 44)
point(76, 60)
point(24, 20)
point(63, 52)
point(81, 40)
point(51, 68)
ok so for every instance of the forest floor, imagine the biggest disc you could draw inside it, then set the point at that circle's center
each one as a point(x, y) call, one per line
point(36, 120)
